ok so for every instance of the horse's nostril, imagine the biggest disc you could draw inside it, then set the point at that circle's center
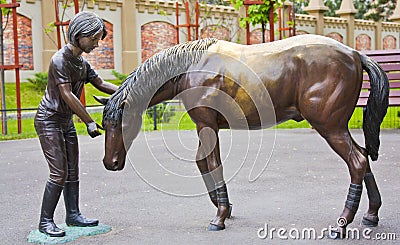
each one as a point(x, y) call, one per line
point(115, 166)
point(109, 166)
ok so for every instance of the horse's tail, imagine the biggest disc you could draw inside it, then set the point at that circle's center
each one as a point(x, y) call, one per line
point(377, 105)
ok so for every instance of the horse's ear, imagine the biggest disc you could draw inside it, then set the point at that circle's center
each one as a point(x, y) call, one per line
point(122, 105)
point(101, 100)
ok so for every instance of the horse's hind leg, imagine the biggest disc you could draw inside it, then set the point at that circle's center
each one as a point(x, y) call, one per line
point(207, 178)
point(356, 159)
point(371, 216)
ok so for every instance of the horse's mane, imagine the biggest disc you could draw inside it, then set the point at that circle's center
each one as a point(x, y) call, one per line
point(147, 78)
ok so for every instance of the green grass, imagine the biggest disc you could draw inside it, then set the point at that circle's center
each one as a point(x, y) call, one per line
point(28, 130)
point(180, 121)
point(293, 124)
point(30, 98)
point(392, 120)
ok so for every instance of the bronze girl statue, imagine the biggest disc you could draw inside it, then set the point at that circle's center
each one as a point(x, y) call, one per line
point(68, 72)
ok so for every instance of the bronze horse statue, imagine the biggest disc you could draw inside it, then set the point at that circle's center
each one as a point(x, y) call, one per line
point(228, 85)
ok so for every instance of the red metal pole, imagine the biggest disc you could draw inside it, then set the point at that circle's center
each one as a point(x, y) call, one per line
point(177, 22)
point(16, 62)
point(280, 23)
point(247, 27)
point(271, 22)
point(83, 97)
point(188, 20)
point(197, 20)
point(76, 5)
point(57, 25)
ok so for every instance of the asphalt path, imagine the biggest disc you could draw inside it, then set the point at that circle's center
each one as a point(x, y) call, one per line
point(303, 188)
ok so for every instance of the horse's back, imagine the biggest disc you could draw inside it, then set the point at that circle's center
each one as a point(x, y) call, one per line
point(237, 50)
point(295, 78)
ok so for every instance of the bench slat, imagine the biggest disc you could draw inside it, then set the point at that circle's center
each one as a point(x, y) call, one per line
point(381, 52)
point(390, 66)
point(364, 94)
point(387, 59)
point(362, 102)
point(394, 101)
point(392, 94)
point(391, 76)
point(366, 85)
point(392, 85)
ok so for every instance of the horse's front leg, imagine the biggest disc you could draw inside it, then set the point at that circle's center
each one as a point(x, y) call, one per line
point(201, 162)
point(211, 152)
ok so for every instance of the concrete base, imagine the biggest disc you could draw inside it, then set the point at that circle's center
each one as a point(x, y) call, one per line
point(71, 233)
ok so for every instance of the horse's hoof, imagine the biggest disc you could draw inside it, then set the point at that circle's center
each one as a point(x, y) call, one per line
point(370, 221)
point(214, 227)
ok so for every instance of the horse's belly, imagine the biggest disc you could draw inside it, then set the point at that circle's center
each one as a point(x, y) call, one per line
point(244, 112)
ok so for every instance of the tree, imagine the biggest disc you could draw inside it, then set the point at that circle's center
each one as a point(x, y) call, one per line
point(5, 12)
point(380, 9)
point(362, 7)
point(258, 14)
point(366, 9)
point(333, 5)
point(299, 5)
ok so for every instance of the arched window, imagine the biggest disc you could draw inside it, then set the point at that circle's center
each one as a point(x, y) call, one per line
point(389, 42)
point(216, 31)
point(336, 36)
point(256, 36)
point(301, 32)
point(363, 42)
point(102, 57)
point(25, 47)
point(156, 36)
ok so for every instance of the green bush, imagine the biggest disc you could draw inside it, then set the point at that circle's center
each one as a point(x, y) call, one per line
point(119, 76)
point(163, 111)
point(39, 82)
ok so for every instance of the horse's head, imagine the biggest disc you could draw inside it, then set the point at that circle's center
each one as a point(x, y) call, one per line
point(115, 151)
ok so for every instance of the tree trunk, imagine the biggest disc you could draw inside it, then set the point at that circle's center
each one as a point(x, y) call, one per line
point(263, 32)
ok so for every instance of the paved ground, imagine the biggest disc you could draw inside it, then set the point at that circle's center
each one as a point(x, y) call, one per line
point(303, 187)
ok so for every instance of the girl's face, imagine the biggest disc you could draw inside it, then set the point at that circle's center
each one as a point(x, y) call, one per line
point(87, 44)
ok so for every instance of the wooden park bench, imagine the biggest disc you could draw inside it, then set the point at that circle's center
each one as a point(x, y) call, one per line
point(390, 62)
